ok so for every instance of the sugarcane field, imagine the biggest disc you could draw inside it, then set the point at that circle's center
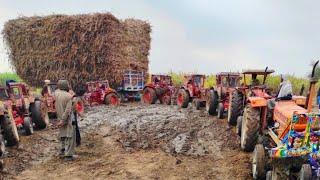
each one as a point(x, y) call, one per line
point(159, 90)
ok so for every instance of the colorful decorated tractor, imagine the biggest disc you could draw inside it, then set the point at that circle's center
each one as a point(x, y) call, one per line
point(193, 91)
point(131, 86)
point(218, 102)
point(289, 147)
point(160, 89)
point(99, 92)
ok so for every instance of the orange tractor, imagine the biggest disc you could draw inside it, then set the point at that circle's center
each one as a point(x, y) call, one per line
point(193, 91)
point(99, 92)
point(160, 89)
point(289, 146)
point(218, 102)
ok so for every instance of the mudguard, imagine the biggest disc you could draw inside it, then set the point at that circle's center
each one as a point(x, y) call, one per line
point(257, 101)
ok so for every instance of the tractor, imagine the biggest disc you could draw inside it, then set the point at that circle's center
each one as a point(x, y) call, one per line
point(160, 88)
point(289, 147)
point(193, 91)
point(9, 132)
point(27, 110)
point(131, 86)
point(249, 99)
point(48, 97)
point(218, 103)
point(99, 92)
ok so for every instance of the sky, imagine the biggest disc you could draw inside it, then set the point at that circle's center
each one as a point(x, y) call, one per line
point(204, 36)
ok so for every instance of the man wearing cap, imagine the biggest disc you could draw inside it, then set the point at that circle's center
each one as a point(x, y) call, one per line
point(63, 104)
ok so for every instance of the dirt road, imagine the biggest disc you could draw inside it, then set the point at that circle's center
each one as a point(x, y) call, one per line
point(136, 141)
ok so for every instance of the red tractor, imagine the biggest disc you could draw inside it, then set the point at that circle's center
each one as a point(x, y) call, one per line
point(26, 109)
point(160, 88)
point(192, 91)
point(99, 92)
point(48, 97)
point(218, 102)
point(9, 132)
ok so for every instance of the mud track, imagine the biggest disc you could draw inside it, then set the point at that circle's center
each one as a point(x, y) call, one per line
point(136, 141)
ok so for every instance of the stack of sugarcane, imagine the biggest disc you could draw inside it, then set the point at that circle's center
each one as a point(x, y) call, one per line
point(79, 48)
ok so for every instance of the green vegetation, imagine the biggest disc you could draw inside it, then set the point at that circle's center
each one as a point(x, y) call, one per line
point(8, 76)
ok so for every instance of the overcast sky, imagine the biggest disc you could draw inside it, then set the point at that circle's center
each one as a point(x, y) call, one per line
point(204, 36)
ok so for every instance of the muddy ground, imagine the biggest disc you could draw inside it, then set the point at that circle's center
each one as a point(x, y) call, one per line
point(135, 141)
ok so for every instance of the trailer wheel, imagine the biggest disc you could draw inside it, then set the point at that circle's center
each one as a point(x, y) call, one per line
point(258, 162)
point(183, 98)
point(149, 96)
point(212, 103)
point(269, 175)
point(112, 99)
point(220, 111)
point(305, 172)
point(235, 107)
point(28, 126)
point(39, 115)
point(10, 132)
point(2, 146)
point(239, 124)
point(250, 128)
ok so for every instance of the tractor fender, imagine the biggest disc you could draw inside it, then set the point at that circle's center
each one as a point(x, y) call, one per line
point(257, 101)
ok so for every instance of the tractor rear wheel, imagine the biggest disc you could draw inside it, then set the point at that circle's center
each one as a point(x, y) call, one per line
point(2, 146)
point(149, 96)
point(235, 107)
point(10, 132)
point(183, 98)
point(305, 172)
point(250, 128)
point(112, 99)
point(220, 111)
point(39, 115)
point(258, 162)
point(28, 126)
point(239, 124)
point(212, 103)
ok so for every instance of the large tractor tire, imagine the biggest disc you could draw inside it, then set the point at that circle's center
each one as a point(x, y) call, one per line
point(235, 107)
point(28, 126)
point(112, 99)
point(183, 98)
point(39, 115)
point(212, 103)
point(149, 96)
point(305, 172)
point(250, 128)
point(258, 162)
point(2, 146)
point(10, 131)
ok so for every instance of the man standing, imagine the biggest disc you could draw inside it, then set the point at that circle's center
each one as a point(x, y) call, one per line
point(63, 104)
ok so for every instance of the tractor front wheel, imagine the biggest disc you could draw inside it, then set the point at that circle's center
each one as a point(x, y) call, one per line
point(28, 126)
point(220, 111)
point(149, 96)
point(39, 114)
point(10, 132)
point(250, 128)
point(2, 146)
point(258, 162)
point(183, 98)
point(212, 103)
point(112, 99)
point(305, 172)
point(166, 98)
point(235, 107)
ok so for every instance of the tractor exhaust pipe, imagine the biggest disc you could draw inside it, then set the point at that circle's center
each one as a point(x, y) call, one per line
point(265, 75)
point(312, 88)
